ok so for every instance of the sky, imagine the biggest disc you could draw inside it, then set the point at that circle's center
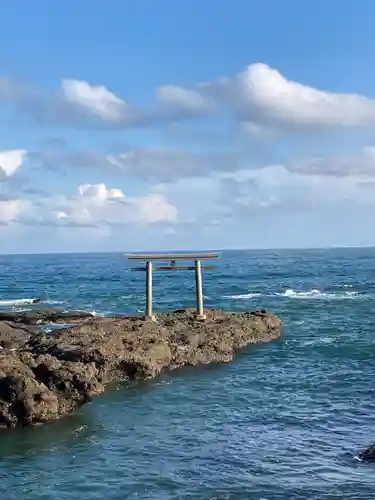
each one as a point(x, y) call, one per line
point(195, 124)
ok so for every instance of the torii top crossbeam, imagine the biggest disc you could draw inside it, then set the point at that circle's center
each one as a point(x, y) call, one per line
point(172, 258)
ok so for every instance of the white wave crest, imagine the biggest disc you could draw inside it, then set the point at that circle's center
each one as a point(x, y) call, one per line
point(243, 296)
point(317, 294)
point(320, 341)
point(27, 302)
point(99, 314)
point(292, 294)
point(18, 302)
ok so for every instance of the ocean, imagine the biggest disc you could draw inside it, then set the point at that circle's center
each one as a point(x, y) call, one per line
point(283, 421)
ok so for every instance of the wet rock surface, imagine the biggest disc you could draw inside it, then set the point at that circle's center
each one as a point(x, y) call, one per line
point(13, 335)
point(368, 453)
point(44, 316)
point(43, 377)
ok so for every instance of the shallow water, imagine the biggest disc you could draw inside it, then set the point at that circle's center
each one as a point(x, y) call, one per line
point(283, 421)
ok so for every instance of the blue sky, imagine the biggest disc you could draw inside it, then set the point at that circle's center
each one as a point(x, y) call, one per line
point(171, 125)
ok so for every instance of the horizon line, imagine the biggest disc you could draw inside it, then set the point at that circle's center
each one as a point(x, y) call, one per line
point(254, 249)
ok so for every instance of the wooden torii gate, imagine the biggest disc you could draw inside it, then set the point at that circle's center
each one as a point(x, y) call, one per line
point(172, 258)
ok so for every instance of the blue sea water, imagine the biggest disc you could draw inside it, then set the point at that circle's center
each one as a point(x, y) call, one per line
point(283, 421)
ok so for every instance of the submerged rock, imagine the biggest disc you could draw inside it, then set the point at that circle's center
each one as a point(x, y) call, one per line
point(45, 377)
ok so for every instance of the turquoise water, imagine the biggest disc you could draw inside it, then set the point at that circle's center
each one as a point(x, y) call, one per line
point(283, 421)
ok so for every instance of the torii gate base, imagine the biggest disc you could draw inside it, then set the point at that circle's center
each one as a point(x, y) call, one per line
point(172, 267)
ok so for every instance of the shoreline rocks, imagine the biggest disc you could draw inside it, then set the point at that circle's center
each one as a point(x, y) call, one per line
point(43, 377)
point(44, 316)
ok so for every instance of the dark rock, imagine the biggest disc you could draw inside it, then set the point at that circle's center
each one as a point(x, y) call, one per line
point(45, 377)
point(368, 453)
point(44, 316)
point(13, 335)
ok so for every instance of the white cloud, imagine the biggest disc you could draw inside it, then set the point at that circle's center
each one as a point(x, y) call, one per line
point(237, 197)
point(260, 97)
point(180, 99)
point(197, 183)
point(226, 200)
point(158, 164)
point(151, 209)
point(12, 210)
point(11, 161)
point(99, 193)
point(77, 103)
point(262, 94)
point(360, 164)
point(154, 164)
point(94, 99)
point(207, 188)
point(203, 185)
point(276, 188)
point(94, 205)
point(169, 165)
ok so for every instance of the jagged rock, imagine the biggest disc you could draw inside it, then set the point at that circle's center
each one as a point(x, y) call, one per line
point(44, 377)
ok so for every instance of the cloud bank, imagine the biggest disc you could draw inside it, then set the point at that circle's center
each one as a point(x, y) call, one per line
point(205, 186)
point(258, 97)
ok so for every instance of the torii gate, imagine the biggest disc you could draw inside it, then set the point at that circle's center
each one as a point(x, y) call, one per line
point(172, 258)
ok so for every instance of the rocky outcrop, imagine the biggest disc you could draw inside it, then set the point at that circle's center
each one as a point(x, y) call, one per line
point(43, 377)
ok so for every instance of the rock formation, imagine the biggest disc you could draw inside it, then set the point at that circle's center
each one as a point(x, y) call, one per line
point(44, 376)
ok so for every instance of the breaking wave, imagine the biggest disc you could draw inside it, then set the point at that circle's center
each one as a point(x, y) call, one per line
point(317, 294)
point(26, 302)
point(292, 294)
point(243, 296)
point(19, 302)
